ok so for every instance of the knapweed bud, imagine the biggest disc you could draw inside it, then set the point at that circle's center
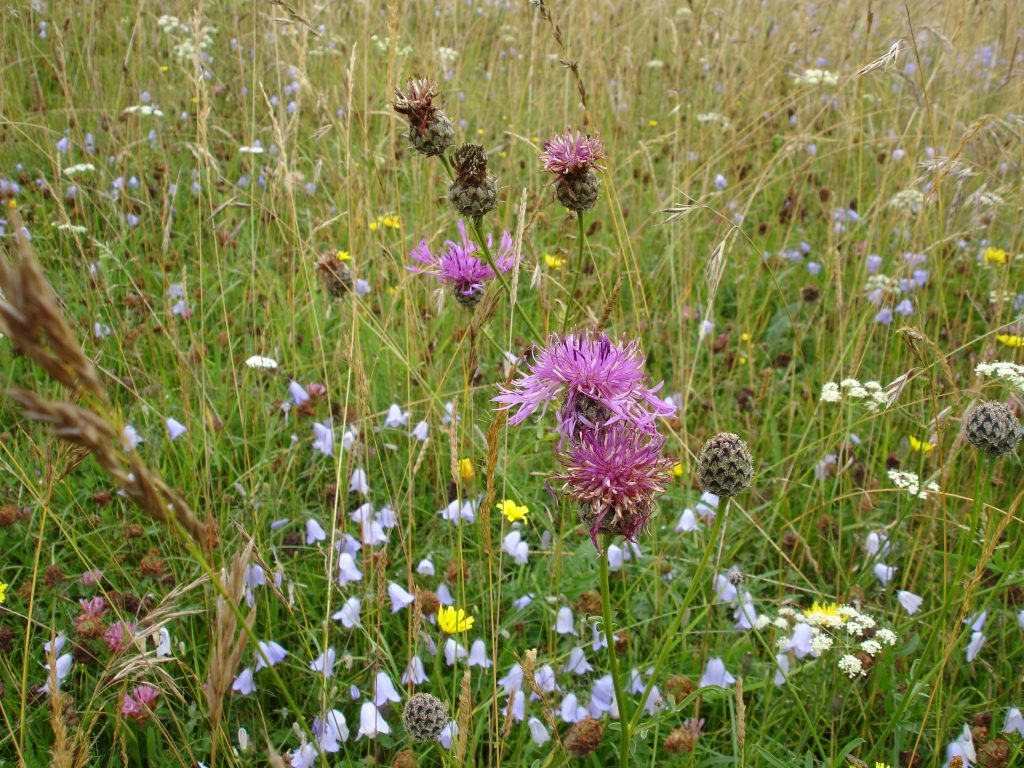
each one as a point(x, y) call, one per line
point(474, 191)
point(424, 716)
point(334, 275)
point(725, 466)
point(584, 737)
point(993, 428)
point(430, 129)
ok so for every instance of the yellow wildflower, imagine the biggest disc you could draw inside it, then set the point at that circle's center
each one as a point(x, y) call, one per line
point(374, 226)
point(824, 614)
point(479, 131)
point(652, 123)
point(677, 469)
point(880, 764)
point(3, 591)
point(1010, 340)
point(343, 255)
point(164, 68)
point(453, 620)
point(920, 445)
point(513, 512)
point(466, 471)
point(553, 262)
point(994, 255)
point(391, 222)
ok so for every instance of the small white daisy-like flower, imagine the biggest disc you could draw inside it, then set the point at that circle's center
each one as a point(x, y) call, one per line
point(851, 665)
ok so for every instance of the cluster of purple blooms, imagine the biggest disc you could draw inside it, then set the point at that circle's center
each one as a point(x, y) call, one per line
point(901, 287)
point(611, 457)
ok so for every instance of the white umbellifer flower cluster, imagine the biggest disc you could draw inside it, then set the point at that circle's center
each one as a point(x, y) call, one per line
point(1011, 373)
point(713, 117)
point(852, 666)
point(907, 201)
point(73, 170)
point(823, 628)
point(447, 56)
point(912, 483)
point(878, 287)
point(145, 110)
point(182, 33)
point(816, 77)
point(1001, 297)
point(870, 392)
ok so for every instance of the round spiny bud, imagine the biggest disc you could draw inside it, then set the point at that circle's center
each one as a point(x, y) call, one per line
point(425, 716)
point(434, 136)
point(994, 753)
point(583, 737)
point(467, 296)
point(334, 275)
point(993, 428)
point(680, 740)
point(578, 191)
point(725, 466)
point(474, 191)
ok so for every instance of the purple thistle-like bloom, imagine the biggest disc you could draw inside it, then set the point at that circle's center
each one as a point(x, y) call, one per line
point(572, 153)
point(615, 475)
point(459, 266)
point(603, 383)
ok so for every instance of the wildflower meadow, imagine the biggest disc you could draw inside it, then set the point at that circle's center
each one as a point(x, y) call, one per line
point(512, 383)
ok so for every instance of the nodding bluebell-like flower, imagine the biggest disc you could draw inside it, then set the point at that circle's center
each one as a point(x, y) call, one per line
point(459, 266)
point(615, 475)
point(602, 383)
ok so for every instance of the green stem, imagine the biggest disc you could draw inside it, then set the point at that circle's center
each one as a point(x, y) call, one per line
point(580, 239)
point(613, 659)
point(672, 636)
point(478, 233)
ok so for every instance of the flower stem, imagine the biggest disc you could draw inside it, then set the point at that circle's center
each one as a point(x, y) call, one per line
point(672, 636)
point(613, 659)
point(580, 239)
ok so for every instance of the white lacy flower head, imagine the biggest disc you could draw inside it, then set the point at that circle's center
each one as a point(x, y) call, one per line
point(873, 395)
point(871, 647)
point(907, 201)
point(1011, 373)
point(912, 483)
point(816, 77)
point(851, 666)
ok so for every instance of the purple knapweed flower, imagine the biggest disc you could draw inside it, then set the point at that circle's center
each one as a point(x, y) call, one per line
point(602, 381)
point(458, 265)
point(572, 152)
point(614, 475)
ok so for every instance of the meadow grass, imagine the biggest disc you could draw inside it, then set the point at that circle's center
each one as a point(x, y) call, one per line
point(753, 172)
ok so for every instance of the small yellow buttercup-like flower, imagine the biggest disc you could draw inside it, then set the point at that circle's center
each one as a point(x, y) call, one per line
point(466, 471)
point(453, 620)
point(553, 262)
point(994, 255)
point(3, 591)
point(920, 445)
point(513, 512)
point(677, 469)
point(1010, 340)
point(343, 255)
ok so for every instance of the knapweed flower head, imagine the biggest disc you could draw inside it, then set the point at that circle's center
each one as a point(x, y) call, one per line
point(459, 266)
point(602, 383)
point(574, 159)
point(430, 129)
point(453, 620)
point(615, 475)
point(572, 152)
